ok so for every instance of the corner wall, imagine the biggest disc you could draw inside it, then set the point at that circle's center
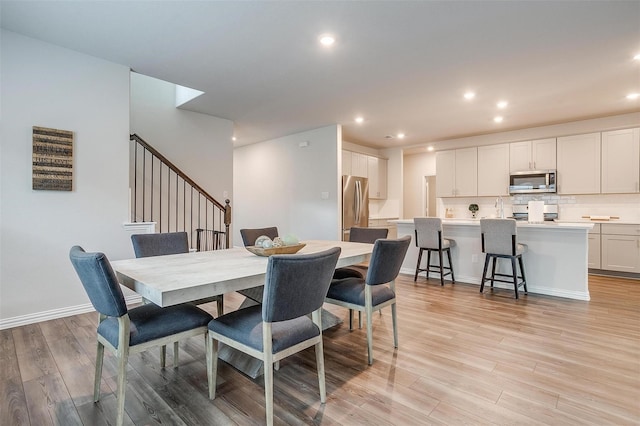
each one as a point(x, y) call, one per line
point(45, 85)
point(280, 183)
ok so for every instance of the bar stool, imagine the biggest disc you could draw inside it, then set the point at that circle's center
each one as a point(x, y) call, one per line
point(429, 237)
point(499, 239)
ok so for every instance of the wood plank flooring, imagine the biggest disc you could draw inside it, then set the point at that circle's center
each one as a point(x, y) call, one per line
point(464, 358)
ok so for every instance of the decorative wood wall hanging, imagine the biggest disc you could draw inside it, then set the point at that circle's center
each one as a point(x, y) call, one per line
point(52, 159)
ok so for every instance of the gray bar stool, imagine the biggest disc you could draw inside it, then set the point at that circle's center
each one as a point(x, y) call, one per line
point(499, 239)
point(429, 237)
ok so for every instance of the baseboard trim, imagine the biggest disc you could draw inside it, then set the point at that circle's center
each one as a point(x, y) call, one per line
point(56, 313)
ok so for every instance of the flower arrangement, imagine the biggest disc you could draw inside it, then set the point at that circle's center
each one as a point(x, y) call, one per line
point(473, 208)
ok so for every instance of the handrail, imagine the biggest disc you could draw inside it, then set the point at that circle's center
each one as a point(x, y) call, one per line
point(180, 173)
point(225, 209)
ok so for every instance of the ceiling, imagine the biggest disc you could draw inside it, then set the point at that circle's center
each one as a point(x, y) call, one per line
point(403, 66)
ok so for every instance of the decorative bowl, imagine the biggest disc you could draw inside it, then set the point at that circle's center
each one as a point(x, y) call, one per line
point(266, 252)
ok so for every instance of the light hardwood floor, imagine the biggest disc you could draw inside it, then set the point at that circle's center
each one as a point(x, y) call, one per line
point(464, 358)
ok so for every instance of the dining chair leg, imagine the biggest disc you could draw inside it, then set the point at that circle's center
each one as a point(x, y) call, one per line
point(123, 356)
point(267, 353)
point(212, 365)
point(394, 321)
point(98, 377)
point(317, 318)
point(350, 319)
point(428, 262)
point(360, 319)
point(368, 302)
point(175, 354)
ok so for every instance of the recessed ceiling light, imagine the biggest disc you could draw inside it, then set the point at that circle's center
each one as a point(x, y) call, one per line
point(327, 40)
point(233, 138)
point(502, 104)
point(498, 119)
point(469, 95)
point(633, 96)
point(637, 57)
point(400, 135)
point(429, 148)
point(359, 120)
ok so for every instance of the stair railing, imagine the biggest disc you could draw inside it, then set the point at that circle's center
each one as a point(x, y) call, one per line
point(164, 194)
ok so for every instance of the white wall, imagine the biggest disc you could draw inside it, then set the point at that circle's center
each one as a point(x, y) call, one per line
point(198, 144)
point(45, 85)
point(416, 167)
point(278, 183)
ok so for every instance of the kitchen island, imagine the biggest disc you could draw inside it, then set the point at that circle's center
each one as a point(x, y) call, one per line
point(555, 265)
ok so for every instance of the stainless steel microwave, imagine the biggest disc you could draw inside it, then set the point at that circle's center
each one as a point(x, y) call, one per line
point(532, 182)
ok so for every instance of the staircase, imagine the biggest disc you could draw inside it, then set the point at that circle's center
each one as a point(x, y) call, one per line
point(162, 193)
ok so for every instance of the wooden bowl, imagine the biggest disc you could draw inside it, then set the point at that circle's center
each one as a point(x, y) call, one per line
point(266, 252)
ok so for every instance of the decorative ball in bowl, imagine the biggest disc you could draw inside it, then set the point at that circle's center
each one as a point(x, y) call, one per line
point(265, 246)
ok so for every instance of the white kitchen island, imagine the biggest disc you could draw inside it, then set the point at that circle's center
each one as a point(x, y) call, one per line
point(555, 265)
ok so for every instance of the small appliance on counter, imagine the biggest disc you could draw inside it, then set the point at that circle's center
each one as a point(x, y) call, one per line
point(521, 212)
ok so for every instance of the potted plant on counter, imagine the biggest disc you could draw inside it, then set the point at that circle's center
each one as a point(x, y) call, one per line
point(473, 208)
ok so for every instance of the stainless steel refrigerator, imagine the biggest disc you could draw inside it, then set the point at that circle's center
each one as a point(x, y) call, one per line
point(355, 203)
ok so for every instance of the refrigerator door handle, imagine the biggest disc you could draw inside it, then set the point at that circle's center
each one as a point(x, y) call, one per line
point(357, 200)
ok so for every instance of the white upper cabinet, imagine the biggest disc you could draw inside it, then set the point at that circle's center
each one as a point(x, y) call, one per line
point(532, 155)
point(359, 164)
point(621, 161)
point(579, 164)
point(346, 162)
point(493, 170)
point(457, 173)
point(377, 171)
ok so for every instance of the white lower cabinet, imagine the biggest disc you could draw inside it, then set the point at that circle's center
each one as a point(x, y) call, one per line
point(620, 245)
point(594, 247)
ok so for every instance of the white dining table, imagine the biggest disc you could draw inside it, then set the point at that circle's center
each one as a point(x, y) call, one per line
point(187, 277)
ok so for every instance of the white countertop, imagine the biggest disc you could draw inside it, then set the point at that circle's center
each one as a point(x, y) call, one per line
point(520, 223)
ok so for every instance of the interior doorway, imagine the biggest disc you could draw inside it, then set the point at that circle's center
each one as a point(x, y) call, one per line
point(429, 196)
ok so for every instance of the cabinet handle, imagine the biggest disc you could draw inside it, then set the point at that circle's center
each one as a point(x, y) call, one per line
point(534, 165)
point(529, 165)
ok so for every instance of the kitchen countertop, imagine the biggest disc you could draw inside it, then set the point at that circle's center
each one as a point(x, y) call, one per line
point(519, 223)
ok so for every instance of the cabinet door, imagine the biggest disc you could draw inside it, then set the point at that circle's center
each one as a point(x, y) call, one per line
point(520, 156)
point(445, 173)
point(346, 162)
point(594, 251)
point(359, 164)
point(382, 177)
point(621, 161)
point(466, 174)
point(579, 164)
point(374, 177)
point(621, 253)
point(493, 170)
point(543, 154)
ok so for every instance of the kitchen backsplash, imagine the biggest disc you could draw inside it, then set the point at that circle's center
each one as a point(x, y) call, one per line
point(570, 207)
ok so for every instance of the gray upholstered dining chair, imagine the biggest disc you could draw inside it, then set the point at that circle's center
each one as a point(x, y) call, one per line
point(249, 235)
point(295, 285)
point(371, 293)
point(126, 331)
point(163, 244)
point(360, 235)
point(428, 232)
point(499, 240)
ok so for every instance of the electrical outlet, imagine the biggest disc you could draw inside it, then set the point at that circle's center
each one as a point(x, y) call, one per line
point(474, 258)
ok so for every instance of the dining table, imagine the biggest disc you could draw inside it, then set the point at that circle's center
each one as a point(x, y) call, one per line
point(189, 277)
